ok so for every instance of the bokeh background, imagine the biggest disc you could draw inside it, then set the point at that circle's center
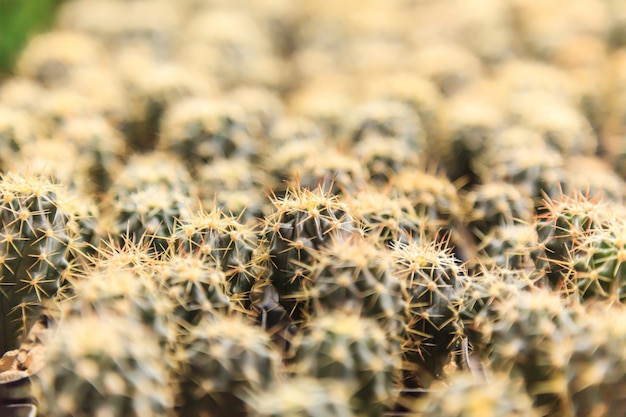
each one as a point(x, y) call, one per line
point(19, 20)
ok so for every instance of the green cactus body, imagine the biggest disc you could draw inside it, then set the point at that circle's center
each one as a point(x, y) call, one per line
point(530, 338)
point(351, 350)
point(483, 293)
point(598, 263)
point(33, 246)
point(356, 277)
point(223, 359)
point(468, 396)
point(509, 246)
point(433, 282)
point(597, 367)
point(236, 186)
point(301, 396)
point(560, 228)
point(200, 131)
point(496, 204)
point(151, 216)
point(196, 286)
point(388, 218)
point(103, 366)
point(100, 149)
point(221, 239)
point(432, 196)
point(302, 222)
point(520, 156)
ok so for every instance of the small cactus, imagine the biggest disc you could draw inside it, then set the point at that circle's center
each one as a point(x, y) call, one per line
point(351, 350)
point(433, 282)
point(99, 365)
point(34, 242)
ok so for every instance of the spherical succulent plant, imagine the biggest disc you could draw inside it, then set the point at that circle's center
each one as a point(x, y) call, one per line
point(223, 240)
point(99, 365)
point(303, 221)
point(301, 396)
point(221, 360)
point(351, 350)
point(33, 252)
point(433, 281)
point(467, 395)
point(355, 276)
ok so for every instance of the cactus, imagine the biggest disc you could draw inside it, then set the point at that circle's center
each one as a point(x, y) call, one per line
point(222, 360)
point(596, 368)
point(353, 351)
point(54, 57)
point(355, 277)
point(596, 266)
point(300, 396)
point(433, 282)
point(483, 293)
point(222, 240)
point(303, 221)
point(530, 337)
point(102, 365)
point(388, 217)
point(508, 246)
point(236, 186)
point(563, 223)
point(496, 204)
point(34, 243)
point(466, 395)
point(200, 131)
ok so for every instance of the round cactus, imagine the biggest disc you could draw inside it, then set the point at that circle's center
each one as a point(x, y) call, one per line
point(34, 243)
point(221, 360)
point(353, 351)
point(99, 365)
point(301, 396)
point(433, 281)
point(303, 221)
point(466, 395)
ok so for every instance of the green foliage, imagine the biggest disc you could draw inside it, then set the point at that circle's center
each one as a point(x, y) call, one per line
point(20, 19)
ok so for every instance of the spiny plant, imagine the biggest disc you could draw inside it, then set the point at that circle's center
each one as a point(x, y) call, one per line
point(223, 240)
point(53, 58)
point(433, 281)
point(483, 292)
point(496, 204)
point(385, 119)
point(466, 395)
point(300, 396)
point(100, 149)
point(562, 223)
point(34, 242)
point(152, 93)
point(508, 246)
point(388, 217)
point(236, 186)
point(105, 366)
point(355, 276)
point(597, 262)
point(432, 196)
point(200, 130)
point(529, 339)
point(520, 156)
point(16, 129)
point(303, 221)
point(354, 351)
point(597, 365)
point(221, 360)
